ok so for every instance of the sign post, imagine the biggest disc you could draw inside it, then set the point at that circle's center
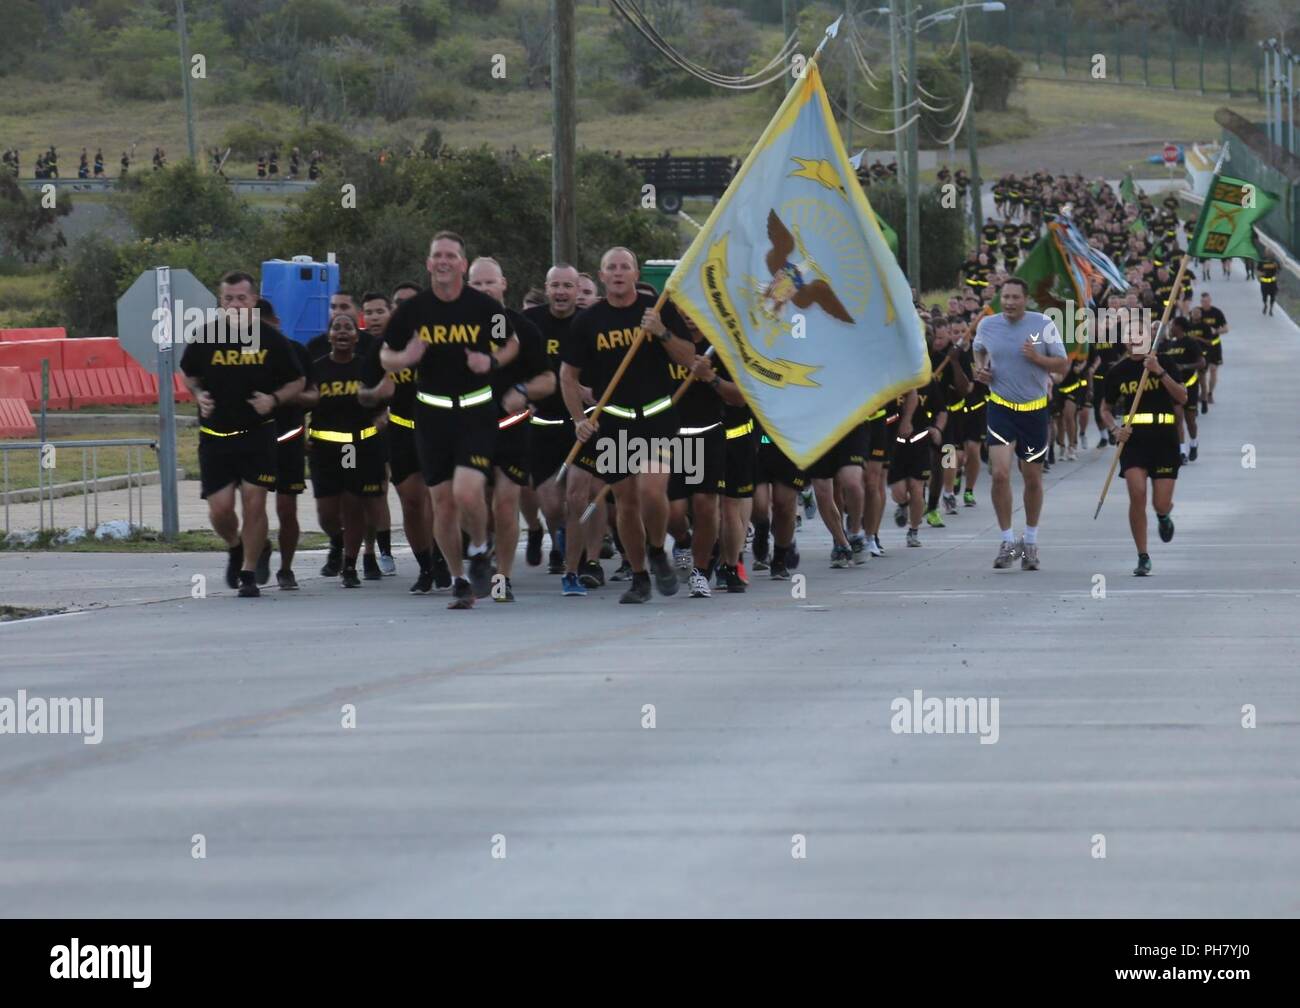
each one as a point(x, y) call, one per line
point(149, 320)
point(1170, 154)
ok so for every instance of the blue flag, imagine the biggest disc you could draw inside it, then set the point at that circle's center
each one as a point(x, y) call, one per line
point(793, 282)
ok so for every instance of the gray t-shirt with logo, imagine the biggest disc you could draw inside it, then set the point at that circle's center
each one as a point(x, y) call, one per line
point(1015, 378)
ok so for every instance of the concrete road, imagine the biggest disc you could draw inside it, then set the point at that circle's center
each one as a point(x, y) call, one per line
point(518, 731)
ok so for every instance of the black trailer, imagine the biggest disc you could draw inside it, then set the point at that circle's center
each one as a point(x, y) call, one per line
point(675, 177)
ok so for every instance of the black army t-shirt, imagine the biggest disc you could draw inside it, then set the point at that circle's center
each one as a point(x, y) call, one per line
point(338, 408)
point(555, 333)
point(530, 361)
point(232, 373)
point(1122, 384)
point(372, 373)
point(449, 328)
point(601, 336)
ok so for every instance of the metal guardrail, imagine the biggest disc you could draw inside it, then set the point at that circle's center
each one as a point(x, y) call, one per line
point(89, 476)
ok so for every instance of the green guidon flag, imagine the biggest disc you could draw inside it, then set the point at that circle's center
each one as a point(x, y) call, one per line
point(1225, 229)
point(1051, 287)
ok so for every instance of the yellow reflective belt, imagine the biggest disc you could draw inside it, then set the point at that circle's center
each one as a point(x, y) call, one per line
point(742, 430)
point(1216, 341)
point(1018, 407)
point(977, 404)
point(876, 415)
point(1068, 388)
point(1149, 418)
point(341, 437)
point(957, 407)
point(218, 433)
point(543, 422)
point(475, 398)
point(1192, 380)
point(401, 421)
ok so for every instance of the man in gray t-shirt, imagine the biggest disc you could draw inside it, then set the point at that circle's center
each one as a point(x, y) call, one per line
point(1016, 353)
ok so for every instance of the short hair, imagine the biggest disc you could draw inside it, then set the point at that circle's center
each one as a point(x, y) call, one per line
point(535, 296)
point(347, 294)
point(408, 285)
point(449, 236)
point(1018, 282)
point(375, 296)
point(636, 263)
point(564, 265)
point(238, 277)
point(586, 276)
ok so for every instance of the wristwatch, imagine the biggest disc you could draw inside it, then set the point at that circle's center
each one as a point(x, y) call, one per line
point(717, 380)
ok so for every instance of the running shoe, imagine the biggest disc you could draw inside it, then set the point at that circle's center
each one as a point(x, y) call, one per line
point(423, 584)
point(624, 572)
point(592, 575)
point(505, 593)
point(841, 557)
point(729, 578)
point(968, 498)
point(333, 563)
point(858, 544)
point(900, 515)
point(1028, 555)
point(874, 547)
point(639, 590)
point(607, 547)
point(570, 585)
point(1144, 566)
point(248, 589)
point(1191, 454)
point(1182, 459)
point(933, 520)
point(664, 572)
point(699, 584)
point(681, 559)
point(285, 580)
point(462, 595)
point(441, 572)
point(387, 565)
point(809, 503)
point(1166, 527)
point(349, 578)
point(950, 503)
point(741, 573)
point(1006, 556)
point(913, 537)
point(761, 544)
point(370, 567)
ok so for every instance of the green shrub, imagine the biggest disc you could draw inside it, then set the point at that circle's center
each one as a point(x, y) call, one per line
point(942, 231)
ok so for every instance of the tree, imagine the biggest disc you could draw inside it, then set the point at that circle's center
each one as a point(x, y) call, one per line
point(181, 202)
point(29, 231)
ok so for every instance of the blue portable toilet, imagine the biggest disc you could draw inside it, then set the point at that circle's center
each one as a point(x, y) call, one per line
point(300, 289)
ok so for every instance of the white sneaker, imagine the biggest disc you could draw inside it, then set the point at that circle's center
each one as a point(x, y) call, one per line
point(699, 584)
point(874, 547)
point(387, 565)
point(681, 559)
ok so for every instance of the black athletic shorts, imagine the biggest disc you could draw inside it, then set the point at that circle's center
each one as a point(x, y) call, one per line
point(239, 458)
point(548, 447)
point(511, 455)
point(1029, 429)
point(775, 467)
point(1153, 447)
point(449, 438)
point(291, 464)
point(1214, 353)
point(911, 458)
point(700, 466)
point(364, 477)
point(403, 454)
point(620, 446)
point(850, 450)
point(742, 463)
point(974, 423)
point(880, 444)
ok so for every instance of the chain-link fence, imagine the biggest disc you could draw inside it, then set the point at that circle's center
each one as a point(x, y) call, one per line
point(1253, 157)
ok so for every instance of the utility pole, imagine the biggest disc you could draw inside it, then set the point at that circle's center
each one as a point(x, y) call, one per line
point(564, 210)
point(972, 141)
point(913, 183)
point(899, 111)
point(185, 76)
